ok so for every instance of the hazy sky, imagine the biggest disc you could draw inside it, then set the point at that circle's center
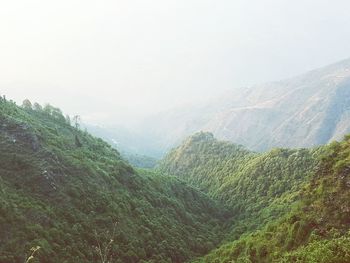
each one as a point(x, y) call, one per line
point(124, 57)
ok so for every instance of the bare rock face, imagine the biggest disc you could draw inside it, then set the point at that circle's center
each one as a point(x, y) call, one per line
point(308, 110)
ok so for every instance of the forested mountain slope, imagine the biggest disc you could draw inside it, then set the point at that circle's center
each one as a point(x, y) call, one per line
point(316, 231)
point(289, 205)
point(75, 198)
point(72, 194)
point(308, 110)
point(258, 187)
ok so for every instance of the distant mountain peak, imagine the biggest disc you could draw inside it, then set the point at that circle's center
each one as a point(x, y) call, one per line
point(304, 111)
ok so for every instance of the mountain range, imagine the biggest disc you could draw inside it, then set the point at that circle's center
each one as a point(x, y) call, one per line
point(67, 196)
point(308, 110)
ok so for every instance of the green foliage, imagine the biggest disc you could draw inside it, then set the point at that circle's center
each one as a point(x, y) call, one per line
point(335, 250)
point(140, 161)
point(75, 197)
point(317, 230)
point(258, 187)
point(63, 190)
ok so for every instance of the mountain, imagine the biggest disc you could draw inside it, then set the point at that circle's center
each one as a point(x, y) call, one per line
point(308, 110)
point(288, 205)
point(139, 161)
point(72, 197)
point(258, 187)
point(66, 196)
point(317, 230)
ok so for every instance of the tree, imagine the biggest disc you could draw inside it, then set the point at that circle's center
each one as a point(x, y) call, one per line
point(33, 251)
point(77, 141)
point(76, 120)
point(48, 109)
point(104, 245)
point(37, 107)
point(68, 120)
point(27, 105)
point(57, 114)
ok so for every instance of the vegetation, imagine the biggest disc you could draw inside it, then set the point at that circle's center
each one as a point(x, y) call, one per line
point(317, 230)
point(289, 205)
point(63, 190)
point(139, 160)
point(66, 196)
point(258, 187)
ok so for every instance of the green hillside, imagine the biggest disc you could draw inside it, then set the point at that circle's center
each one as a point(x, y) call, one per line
point(288, 205)
point(258, 187)
point(66, 196)
point(74, 196)
point(317, 231)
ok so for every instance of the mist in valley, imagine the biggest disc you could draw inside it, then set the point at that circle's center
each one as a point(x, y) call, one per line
point(174, 131)
point(145, 75)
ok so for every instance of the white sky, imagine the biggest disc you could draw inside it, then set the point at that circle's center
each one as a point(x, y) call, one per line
point(109, 60)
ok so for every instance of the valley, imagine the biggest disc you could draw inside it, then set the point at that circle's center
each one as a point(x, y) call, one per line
point(74, 197)
point(175, 131)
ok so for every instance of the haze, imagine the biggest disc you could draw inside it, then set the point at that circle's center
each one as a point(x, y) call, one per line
point(116, 61)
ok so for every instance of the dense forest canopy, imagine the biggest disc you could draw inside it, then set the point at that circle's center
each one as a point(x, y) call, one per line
point(258, 187)
point(68, 192)
point(316, 230)
point(66, 196)
point(289, 205)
